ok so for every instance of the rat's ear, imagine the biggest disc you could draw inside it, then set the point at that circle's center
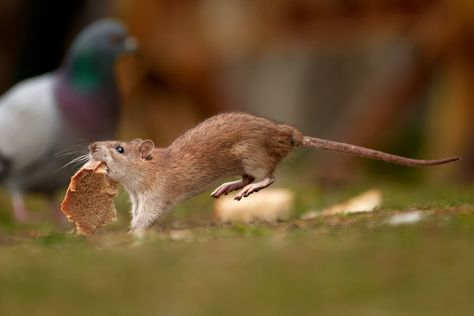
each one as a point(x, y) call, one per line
point(145, 149)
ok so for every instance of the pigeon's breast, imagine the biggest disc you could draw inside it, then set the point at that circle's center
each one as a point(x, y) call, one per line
point(29, 121)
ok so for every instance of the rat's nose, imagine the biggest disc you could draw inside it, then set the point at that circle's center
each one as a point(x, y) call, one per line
point(92, 147)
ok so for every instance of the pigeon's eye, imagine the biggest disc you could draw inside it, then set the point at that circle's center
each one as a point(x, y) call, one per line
point(116, 39)
point(120, 149)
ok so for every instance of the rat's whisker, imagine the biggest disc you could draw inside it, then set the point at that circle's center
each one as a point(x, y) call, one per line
point(76, 161)
point(72, 150)
point(68, 153)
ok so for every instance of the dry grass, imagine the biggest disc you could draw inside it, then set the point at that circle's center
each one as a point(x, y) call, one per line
point(338, 265)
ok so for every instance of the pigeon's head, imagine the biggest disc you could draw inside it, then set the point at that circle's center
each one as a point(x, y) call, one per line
point(125, 160)
point(91, 58)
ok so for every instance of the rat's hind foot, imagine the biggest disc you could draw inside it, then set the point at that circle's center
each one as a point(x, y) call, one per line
point(254, 187)
point(232, 186)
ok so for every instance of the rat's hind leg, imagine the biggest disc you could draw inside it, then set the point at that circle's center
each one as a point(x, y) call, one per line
point(254, 187)
point(258, 163)
point(232, 186)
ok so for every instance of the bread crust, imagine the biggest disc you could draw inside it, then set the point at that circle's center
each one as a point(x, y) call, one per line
point(89, 198)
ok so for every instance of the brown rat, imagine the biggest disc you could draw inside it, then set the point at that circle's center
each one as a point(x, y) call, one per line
point(230, 144)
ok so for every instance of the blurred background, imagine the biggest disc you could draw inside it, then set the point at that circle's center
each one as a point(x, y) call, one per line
point(395, 75)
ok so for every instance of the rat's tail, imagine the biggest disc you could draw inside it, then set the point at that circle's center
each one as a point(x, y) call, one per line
point(324, 144)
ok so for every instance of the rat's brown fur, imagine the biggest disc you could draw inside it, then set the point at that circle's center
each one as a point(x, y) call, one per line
point(231, 144)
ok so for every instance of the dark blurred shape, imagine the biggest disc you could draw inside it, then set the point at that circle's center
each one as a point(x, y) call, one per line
point(42, 45)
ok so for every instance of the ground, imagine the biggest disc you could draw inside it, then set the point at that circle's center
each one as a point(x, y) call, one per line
point(339, 265)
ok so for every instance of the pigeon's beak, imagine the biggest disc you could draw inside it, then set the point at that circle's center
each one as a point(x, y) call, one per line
point(130, 44)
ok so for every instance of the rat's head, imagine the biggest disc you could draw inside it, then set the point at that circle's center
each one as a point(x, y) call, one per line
point(123, 159)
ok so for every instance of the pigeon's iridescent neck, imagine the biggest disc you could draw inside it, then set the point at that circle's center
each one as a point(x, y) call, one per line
point(87, 92)
point(93, 112)
point(90, 74)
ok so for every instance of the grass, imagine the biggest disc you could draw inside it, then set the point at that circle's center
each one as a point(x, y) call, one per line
point(339, 265)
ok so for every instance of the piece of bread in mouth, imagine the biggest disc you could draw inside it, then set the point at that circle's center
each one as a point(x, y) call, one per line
point(89, 198)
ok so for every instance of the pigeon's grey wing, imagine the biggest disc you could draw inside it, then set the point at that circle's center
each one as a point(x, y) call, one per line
point(29, 121)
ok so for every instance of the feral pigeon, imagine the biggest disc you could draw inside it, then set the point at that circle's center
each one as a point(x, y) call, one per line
point(46, 115)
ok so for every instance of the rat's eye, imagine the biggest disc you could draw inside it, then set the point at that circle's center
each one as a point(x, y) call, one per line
point(119, 149)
